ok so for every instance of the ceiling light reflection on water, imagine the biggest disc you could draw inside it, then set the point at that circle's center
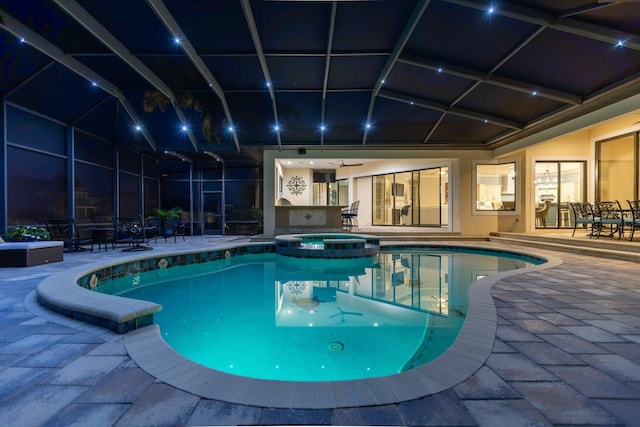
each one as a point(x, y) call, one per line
point(271, 317)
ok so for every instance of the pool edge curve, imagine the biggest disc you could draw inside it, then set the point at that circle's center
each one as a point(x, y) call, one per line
point(462, 359)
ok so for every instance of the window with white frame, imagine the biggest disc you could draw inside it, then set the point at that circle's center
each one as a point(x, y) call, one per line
point(496, 186)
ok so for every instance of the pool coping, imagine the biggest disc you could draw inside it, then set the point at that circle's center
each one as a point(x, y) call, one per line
point(346, 246)
point(466, 355)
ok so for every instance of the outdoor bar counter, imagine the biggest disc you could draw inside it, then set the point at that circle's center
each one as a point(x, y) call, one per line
point(308, 218)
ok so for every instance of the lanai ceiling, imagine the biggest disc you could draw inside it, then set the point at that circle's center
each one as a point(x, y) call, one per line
point(413, 74)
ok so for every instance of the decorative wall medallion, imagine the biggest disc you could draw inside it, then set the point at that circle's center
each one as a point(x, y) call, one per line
point(296, 185)
point(296, 287)
point(163, 263)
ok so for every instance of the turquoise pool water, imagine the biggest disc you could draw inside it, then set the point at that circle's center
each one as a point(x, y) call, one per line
point(272, 317)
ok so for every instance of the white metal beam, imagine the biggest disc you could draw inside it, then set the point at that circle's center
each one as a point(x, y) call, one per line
point(21, 31)
point(253, 29)
point(418, 11)
point(168, 20)
point(85, 19)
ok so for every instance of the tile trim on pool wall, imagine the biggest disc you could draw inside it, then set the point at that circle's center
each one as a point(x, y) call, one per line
point(73, 293)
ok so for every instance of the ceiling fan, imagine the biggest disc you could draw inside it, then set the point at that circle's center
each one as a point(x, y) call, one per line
point(342, 164)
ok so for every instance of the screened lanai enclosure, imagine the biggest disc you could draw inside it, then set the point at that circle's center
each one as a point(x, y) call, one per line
point(121, 108)
point(54, 171)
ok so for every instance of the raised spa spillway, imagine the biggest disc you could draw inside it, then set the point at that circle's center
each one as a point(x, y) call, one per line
point(327, 245)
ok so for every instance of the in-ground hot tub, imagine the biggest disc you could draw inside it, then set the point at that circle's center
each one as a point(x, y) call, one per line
point(327, 245)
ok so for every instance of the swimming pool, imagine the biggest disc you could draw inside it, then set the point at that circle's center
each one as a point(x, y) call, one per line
point(71, 292)
point(272, 317)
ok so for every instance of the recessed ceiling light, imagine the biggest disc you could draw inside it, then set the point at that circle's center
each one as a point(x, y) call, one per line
point(138, 128)
point(491, 9)
point(231, 129)
point(368, 125)
point(184, 128)
point(177, 40)
point(276, 128)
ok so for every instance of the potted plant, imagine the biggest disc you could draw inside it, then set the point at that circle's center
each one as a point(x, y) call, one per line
point(165, 214)
point(28, 233)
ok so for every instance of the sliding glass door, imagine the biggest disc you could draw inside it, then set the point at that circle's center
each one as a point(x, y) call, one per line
point(556, 184)
point(411, 198)
point(617, 160)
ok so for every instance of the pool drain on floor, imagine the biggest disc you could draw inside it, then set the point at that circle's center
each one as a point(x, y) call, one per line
point(336, 346)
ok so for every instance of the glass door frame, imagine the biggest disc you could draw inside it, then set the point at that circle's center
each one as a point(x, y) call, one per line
point(563, 216)
point(389, 198)
point(636, 163)
point(220, 230)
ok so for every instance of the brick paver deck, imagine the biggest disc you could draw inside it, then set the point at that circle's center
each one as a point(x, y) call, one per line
point(567, 352)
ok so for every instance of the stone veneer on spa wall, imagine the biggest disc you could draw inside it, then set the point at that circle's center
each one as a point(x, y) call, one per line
point(329, 246)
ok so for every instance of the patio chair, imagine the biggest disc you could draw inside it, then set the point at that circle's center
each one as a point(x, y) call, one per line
point(153, 229)
point(350, 216)
point(130, 230)
point(584, 215)
point(610, 214)
point(633, 220)
point(66, 231)
point(174, 227)
point(541, 213)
